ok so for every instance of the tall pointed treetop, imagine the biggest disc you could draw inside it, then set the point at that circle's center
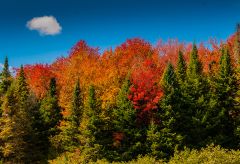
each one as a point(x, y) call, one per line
point(77, 105)
point(53, 87)
point(5, 72)
point(22, 87)
point(195, 66)
point(181, 67)
point(5, 78)
point(225, 63)
point(92, 99)
point(169, 77)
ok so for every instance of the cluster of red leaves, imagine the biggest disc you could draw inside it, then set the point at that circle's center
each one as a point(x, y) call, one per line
point(145, 92)
point(38, 77)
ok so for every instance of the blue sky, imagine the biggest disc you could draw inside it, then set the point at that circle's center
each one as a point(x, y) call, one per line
point(107, 23)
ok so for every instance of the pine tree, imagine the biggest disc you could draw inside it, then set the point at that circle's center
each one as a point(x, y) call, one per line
point(68, 138)
point(196, 101)
point(50, 110)
point(92, 148)
point(16, 123)
point(181, 67)
point(165, 136)
point(53, 88)
point(50, 116)
point(223, 125)
point(5, 78)
point(195, 67)
point(129, 137)
point(236, 112)
point(5, 81)
point(77, 106)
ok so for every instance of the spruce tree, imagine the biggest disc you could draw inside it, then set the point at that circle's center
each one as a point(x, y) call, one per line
point(236, 113)
point(181, 67)
point(92, 148)
point(165, 136)
point(195, 67)
point(129, 137)
point(16, 123)
point(5, 81)
point(196, 99)
point(68, 138)
point(96, 132)
point(50, 116)
point(77, 106)
point(223, 125)
point(5, 77)
point(50, 110)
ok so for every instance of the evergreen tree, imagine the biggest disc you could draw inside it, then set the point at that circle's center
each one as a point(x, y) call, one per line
point(181, 67)
point(223, 125)
point(50, 110)
point(165, 136)
point(50, 117)
point(5, 81)
point(236, 113)
point(5, 78)
point(196, 101)
point(129, 136)
point(77, 106)
point(68, 139)
point(195, 67)
point(96, 132)
point(92, 136)
point(53, 88)
point(16, 124)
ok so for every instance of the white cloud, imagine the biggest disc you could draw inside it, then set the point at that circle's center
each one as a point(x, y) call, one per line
point(46, 25)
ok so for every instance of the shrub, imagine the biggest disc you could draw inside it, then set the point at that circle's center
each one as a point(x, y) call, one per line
point(211, 154)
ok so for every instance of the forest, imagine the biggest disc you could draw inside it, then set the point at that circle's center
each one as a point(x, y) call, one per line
point(171, 102)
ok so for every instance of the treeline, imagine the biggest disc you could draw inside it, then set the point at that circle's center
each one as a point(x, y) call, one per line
point(196, 110)
point(130, 101)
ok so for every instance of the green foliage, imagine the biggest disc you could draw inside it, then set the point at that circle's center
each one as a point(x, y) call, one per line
point(194, 69)
point(221, 121)
point(196, 109)
point(93, 133)
point(129, 136)
point(5, 78)
point(53, 87)
point(181, 67)
point(22, 88)
point(139, 160)
point(165, 136)
point(196, 101)
point(49, 116)
point(50, 111)
point(69, 137)
point(16, 123)
point(77, 106)
point(210, 154)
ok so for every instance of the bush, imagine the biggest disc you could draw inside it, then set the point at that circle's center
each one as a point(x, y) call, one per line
point(144, 160)
point(211, 154)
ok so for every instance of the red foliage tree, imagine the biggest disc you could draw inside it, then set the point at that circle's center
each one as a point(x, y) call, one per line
point(38, 77)
point(145, 91)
